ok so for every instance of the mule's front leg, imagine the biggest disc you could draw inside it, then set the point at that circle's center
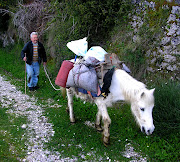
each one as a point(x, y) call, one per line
point(102, 111)
point(98, 121)
point(70, 104)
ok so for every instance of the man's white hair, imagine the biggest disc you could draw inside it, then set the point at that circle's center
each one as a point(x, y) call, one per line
point(33, 33)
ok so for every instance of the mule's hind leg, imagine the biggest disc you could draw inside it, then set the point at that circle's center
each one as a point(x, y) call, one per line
point(70, 104)
point(107, 121)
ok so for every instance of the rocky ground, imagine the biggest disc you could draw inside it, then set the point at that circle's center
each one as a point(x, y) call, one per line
point(38, 130)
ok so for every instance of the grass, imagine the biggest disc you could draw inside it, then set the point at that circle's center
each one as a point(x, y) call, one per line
point(12, 145)
point(170, 118)
point(82, 141)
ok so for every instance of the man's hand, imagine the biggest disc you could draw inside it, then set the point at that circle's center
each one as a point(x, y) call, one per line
point(25, 58)
point(44, 63)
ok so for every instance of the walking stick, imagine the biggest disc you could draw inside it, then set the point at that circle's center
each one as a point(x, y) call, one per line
point(25, 74)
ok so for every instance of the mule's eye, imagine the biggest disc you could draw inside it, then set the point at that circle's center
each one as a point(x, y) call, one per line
point(142, 109)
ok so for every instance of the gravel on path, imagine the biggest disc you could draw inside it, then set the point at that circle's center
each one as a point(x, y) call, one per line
point(38, 129)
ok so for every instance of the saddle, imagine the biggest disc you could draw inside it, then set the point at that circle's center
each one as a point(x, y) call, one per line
point(111, 61)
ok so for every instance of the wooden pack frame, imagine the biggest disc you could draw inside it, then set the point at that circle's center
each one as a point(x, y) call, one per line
point(111, 60)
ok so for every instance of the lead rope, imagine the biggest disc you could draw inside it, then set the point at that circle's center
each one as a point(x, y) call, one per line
point(50, 79)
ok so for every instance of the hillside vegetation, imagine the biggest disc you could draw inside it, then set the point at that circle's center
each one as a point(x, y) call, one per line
point(144, 34)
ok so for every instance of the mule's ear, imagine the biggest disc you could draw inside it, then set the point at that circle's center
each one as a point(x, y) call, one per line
point(152, 91)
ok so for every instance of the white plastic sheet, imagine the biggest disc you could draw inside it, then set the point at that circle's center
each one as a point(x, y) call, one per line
point(97, 52)
point(79, 47)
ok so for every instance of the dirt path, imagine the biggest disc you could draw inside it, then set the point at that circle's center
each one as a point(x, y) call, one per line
point(38, 130)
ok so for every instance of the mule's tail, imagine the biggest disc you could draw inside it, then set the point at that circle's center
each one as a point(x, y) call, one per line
point(63, 92)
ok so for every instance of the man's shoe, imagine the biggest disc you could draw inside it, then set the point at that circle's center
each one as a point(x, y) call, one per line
point(31, 88)
point(36, 87)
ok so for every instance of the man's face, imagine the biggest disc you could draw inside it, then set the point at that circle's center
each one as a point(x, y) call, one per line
point(34, 39)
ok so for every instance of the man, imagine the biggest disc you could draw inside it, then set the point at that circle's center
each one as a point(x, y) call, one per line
point(33, 53)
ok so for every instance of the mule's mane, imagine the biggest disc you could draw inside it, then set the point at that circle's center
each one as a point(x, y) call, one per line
point(130, 86)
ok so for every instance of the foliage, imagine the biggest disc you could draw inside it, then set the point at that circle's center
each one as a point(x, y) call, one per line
point(136, 60)
point(7, 3)
point(4, 18)
point(96, 18)
point(57, 39)
point(31, 17)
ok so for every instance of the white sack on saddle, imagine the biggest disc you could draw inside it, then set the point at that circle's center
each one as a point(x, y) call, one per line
point(79, 47)
point(84, 76)
point(97, 52)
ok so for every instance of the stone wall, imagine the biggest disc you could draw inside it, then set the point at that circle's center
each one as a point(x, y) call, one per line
point(165, 58)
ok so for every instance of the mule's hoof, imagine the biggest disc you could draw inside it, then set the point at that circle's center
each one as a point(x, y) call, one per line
point(106, 141)
point(72, 123)
point(98, 128)
point(106, 144)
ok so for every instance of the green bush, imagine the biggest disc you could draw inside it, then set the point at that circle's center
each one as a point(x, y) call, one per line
point(166, 112)
point(96, 18)
point(136, 60)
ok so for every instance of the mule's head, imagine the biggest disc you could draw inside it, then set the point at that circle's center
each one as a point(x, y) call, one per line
point(142, 109)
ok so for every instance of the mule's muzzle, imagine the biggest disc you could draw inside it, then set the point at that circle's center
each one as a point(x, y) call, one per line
point(147, 131)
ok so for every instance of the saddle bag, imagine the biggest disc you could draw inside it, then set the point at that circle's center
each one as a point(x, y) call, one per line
point(62, 76)
point(83, 75)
